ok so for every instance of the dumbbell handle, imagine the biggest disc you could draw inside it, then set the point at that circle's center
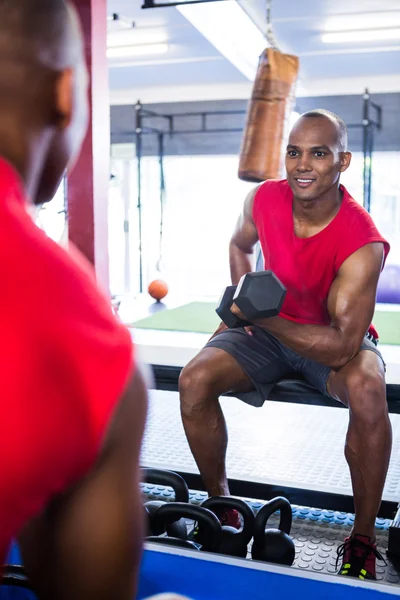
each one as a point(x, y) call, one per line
point(224, 309)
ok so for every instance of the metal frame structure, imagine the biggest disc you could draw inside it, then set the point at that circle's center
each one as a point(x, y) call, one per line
point(142, 114)
point(371, 122)
point(155, 4)
point(369, 125)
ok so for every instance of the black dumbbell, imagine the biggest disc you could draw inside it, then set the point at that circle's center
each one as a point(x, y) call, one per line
point(274, 545)
point(258, 295)
point(209, 531)
point(223, 309)
point(175, 529)
point(234, 542)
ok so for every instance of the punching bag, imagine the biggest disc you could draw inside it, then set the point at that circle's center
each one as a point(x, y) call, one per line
point(269, 109)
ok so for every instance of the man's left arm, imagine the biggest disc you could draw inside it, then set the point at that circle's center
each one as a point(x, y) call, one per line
point(351, 305)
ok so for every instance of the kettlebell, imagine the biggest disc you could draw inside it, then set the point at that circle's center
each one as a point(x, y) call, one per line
point(234, 542)
point(209, 531)
point(175, 529)
point(274, 545)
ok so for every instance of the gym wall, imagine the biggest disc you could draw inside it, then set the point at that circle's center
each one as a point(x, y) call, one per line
point(348, 107)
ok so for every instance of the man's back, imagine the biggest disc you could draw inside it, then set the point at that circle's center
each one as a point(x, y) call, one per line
point(73, 400)
point(64, 376)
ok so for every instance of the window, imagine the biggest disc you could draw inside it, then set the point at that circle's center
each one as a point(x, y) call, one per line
point(202, 203)
point(203, 200)
point(385, 196)
point(51, 217)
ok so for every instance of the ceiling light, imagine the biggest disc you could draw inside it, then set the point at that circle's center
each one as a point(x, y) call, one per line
point(132, 51)
point(362, 21)
point(228, 27)
point(366, 35)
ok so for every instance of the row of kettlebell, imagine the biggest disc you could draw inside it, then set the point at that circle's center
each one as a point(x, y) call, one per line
point(167, 523)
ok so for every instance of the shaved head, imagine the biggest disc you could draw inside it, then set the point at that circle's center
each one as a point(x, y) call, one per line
point(316, 155)
point(38, 31)
point(43, 91)
point(340, 125)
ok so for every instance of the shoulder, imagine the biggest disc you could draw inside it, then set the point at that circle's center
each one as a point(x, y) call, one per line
point(358, 232)
point(360, 221)
point(271, 189)
point(40, 276)
point(355, 210)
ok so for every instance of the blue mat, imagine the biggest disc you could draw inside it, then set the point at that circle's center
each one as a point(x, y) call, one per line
point(204, 580)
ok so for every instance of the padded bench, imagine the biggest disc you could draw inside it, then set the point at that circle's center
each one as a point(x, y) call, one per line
point(297, 391)
point(300, 392)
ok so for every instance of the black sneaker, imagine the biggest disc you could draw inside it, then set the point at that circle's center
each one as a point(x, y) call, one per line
point(359, 557)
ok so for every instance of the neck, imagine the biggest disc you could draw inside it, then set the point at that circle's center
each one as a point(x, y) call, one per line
point(318, 210)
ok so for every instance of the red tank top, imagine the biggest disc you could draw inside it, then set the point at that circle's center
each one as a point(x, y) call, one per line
point(65, 360)
point(308, 266)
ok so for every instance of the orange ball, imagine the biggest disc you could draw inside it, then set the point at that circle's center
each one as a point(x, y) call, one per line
point(158, 289)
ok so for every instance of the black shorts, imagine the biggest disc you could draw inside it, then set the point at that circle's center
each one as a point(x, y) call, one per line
point(265, 360)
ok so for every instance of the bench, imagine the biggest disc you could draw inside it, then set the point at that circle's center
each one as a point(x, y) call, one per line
point(296, 391)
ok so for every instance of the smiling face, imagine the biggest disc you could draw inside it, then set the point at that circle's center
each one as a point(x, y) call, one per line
point(315, 157)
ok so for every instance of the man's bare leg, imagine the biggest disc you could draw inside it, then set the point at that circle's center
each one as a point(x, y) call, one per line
point(211, 373)
point(361, 386)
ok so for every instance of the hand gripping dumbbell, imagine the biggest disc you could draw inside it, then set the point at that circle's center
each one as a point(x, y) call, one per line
point(258, 295)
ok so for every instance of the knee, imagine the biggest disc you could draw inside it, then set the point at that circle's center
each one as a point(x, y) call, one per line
point(195, 387)
point(366, 394)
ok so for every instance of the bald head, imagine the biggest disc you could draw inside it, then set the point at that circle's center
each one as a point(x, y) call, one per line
point(316, 155)
point(38, 32)
point(340, 125)
point(43, 91)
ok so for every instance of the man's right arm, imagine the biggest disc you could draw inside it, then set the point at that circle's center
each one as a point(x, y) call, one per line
point(241, 246)
point(243, 241)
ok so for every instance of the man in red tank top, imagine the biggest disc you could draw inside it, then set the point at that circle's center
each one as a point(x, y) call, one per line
point(73, 401)
point(326, 250)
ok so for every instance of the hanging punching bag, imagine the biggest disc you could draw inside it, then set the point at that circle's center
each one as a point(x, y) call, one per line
point(269, 109)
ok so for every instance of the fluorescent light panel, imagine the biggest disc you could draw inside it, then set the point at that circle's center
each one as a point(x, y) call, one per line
point(362, 21)
point(132, 51)
point(227, 27)
point(366, 35)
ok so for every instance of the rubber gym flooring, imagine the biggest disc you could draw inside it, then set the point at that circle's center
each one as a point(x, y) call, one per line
point(293, 445)
point(290, 445)
point(200, 317)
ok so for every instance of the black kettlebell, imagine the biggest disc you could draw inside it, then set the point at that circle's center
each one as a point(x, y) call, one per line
point(209, 531)
point(234, 541)
point(175, 529)
point(274, 545)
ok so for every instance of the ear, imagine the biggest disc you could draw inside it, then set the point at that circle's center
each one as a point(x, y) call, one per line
point(64, 98)
point(345, 160)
